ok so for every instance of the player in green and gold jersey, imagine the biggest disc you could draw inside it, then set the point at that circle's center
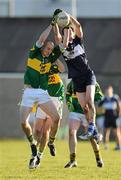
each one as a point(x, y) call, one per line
point(76, 118)
point(40, 58)
point(43, 122)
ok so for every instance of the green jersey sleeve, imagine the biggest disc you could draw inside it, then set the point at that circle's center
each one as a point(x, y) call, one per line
point(34, 50)
point(69, 93)
point(98, 93)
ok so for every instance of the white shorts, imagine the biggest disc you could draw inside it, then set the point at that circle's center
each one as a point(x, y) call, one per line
point(118, 122)
point(32, 117)
point(100, 122)
point(59, 105)
point(78, 117)
point(31, 95)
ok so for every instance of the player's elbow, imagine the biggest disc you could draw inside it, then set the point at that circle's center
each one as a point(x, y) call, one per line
point(57, 40)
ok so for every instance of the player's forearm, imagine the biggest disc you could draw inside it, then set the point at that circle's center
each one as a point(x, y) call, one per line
point(75, 22)
point(66, 38)
point(45, 34)
point(61, 66)
point(57, 35)
point(56, 30)
point(77, 25)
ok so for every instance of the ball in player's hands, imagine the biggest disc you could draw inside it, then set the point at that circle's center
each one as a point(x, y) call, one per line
point(63, 19)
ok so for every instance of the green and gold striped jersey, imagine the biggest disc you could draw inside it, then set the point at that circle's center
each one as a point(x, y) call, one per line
point(38, 67)
point(72, 101)
point(55, 86)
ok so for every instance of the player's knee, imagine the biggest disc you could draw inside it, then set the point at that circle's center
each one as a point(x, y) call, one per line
point(72, 132)
point(24, 124)
point(83, 104)
point(86, 109)
point(56, 118)
point(92, 106)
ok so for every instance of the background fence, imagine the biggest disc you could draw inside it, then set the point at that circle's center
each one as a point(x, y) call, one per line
point(103, 44)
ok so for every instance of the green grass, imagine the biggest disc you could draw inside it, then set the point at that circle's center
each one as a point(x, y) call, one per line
point(15, 154)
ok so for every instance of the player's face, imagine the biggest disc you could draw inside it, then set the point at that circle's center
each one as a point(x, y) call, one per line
point(48, 49)
point(109, 91)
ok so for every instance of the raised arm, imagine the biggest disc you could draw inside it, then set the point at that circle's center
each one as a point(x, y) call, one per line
point(57, 35)
point(63, 43)
point(44, 35)
point(77, 27)
point(66, 38)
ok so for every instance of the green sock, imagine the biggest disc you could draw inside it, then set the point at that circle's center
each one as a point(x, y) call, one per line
point(97, 154)
point(31, 139)
point(40, 154)
point(72, 157)
point(51, 140)
point(40, 150)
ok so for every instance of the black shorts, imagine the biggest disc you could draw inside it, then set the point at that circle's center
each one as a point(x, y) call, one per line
point(110, 123)
point(80, 83)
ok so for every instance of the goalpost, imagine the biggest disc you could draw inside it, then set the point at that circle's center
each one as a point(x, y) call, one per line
point(74, 8)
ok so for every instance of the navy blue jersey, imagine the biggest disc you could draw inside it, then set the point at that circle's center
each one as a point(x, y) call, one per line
point(75, 58)
point(110, 104)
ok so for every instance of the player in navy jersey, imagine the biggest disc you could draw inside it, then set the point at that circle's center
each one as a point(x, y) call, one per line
point(84, 80)
point(110, 103)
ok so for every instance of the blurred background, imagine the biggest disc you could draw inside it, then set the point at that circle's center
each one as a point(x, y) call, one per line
point(22, 21)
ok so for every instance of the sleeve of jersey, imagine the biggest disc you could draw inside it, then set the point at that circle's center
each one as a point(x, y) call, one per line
point(69, 102)
point(68, 98)
point(55, 54)
point(34, 50)
point(117, 97)
point(68, 94)
point(98, 93)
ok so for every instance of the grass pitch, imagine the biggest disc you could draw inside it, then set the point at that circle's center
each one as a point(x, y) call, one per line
point(15, 154)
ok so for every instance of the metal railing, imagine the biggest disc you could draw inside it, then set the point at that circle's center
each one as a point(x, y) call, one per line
point(83, 8)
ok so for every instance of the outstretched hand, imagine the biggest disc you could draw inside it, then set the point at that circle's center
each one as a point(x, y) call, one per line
point(57, 11)
point(53, 21)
